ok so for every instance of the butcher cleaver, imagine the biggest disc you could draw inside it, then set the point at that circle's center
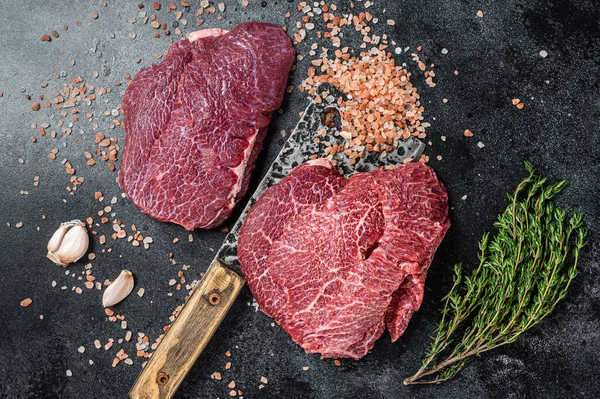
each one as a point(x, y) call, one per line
point(213, 296)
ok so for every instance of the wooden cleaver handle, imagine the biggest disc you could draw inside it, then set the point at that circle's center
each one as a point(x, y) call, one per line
point(189, 335)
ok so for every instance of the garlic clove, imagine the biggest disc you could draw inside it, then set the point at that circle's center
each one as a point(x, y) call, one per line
point(119, 289)
point(57, 237)
point(74, 245)
point(69, 243)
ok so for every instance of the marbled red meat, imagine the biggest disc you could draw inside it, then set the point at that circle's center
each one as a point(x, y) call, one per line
point(195, 122)
point(308, 184)
point(336, 271)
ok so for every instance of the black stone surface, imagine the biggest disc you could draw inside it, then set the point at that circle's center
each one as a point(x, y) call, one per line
point(497, 57)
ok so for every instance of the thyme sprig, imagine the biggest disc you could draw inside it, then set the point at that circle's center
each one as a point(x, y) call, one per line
point(524, 270)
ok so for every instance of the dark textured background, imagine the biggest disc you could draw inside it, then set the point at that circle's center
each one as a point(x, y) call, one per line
point(497, 57)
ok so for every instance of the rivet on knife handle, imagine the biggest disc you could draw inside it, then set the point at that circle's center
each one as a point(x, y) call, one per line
point(189, 335)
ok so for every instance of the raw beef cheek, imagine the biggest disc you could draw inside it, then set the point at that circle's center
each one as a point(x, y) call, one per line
point(309, 183)
point(195, 122)
point(341, 270)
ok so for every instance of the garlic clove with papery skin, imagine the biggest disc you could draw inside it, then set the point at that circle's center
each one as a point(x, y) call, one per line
point(69, 243)
point(118, 289)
